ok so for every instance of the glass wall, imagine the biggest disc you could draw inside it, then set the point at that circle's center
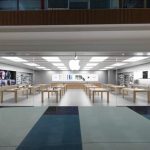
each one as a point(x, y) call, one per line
point(148, 3)
point(8, 4)
point(97, 4)
point(57, 4)
point(133, 3)
point(71, 4)
point(79, 4)
point(29, 4)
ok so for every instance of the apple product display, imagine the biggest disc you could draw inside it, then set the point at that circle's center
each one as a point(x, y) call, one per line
point(75, 77)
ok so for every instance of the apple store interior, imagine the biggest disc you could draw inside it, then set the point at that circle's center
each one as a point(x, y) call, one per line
point(75, 79)
point(83, 87)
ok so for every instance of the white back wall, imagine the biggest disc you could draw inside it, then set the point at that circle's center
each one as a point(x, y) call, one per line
point(46, 76)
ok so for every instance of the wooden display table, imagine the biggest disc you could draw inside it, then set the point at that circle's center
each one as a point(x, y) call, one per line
point(93, 91)
point(33, 89)
point(62, 87)
point(135, 91)
point(88, 86)
point(51, 90)
point(16, 91)
point(116, 88)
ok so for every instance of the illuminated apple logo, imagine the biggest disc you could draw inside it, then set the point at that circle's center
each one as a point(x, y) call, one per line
point(74, 64)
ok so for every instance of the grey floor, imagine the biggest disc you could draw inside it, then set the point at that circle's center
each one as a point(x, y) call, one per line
point(75, 97)
point(102, 128)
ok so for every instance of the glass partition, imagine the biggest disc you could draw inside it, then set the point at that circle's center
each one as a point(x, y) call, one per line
point(29, 4)
point(8, 4)
point(79, 4)
point(56, 4)
point(98, 4)
point(71, 4)
point(132, 3)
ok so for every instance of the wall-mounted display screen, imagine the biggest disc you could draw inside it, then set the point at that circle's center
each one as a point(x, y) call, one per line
point(7, 77)
point(145, 74)
point(75, 77)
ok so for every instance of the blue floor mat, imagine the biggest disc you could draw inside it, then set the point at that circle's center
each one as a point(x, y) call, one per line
point(142, 110)
point(57, 129)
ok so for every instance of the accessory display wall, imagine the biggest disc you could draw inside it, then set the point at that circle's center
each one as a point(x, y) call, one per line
point(24, 78)
point(126, 78)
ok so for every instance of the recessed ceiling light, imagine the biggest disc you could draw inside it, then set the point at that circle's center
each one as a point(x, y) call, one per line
point(118, 64)
point(46, 69)
point(62, 67)
point(91, 64)
point(58, 64)
point(98, 59)
point(15, 59)
point(52, 59)
point(32, 64)
point(88, 67)
point(109, 67)
point(102, 69)
point(134, 59)
point(41, 67)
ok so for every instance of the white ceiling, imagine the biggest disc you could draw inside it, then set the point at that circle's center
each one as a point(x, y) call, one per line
point(65, 59)
point(107, 39)
point(118, 42)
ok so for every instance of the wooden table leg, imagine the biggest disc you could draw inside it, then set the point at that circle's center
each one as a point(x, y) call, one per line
point(27, 93)
point(16, 96)
point(93, 95)
point(107, 97)
point(60, 93)
point(90, 94)
point(101, 95)
point(123, 93)
point(57, 96)
point(134, 96)
point(30, 91)
point(48, 94)
point(2, 96)
point(42, 98)
point(148, 96)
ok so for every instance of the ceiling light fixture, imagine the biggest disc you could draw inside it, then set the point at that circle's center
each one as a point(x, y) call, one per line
point(134, 59)
point(118, 64)
point(62, 67)
point(52, 59)
point(98, 59)
point(91, 64)
point(58, 64)
point(102, 69)
point(90, 67)
point(108, 67)
point(46, 69)
point(41, 67)
point(15, 59)
point(32, 64)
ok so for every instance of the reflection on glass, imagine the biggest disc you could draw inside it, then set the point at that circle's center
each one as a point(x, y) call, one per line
point(29, 4)
point(8, 4)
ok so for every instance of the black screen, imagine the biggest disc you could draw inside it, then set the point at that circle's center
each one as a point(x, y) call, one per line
point(145, 74)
